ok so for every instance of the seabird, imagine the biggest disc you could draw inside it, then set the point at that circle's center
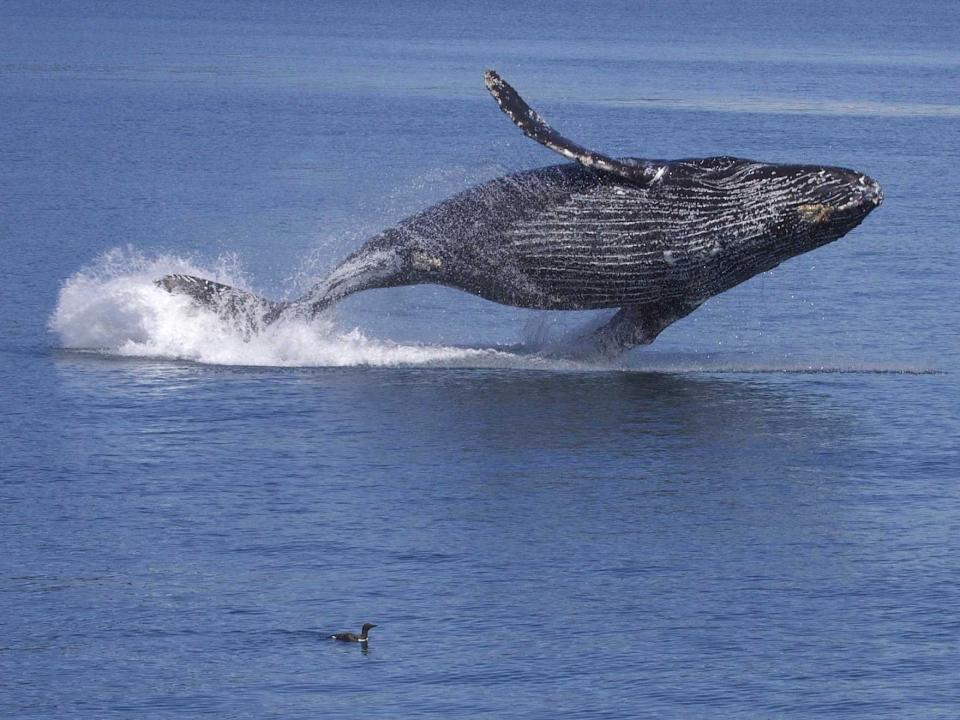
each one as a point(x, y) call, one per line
point(350, 637)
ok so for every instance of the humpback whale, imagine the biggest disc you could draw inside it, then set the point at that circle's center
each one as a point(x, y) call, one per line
point(652, 238)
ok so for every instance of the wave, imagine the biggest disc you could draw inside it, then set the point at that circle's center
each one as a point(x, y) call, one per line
point(792, 106)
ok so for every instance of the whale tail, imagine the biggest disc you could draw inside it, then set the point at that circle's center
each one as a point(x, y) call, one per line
point(372, 266)
point(229, 302)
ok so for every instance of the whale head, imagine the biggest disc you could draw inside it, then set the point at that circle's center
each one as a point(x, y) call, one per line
point(761, 214)
point(830, 201)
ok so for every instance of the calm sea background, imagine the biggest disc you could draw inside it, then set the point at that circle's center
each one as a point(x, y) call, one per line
point(757, 516)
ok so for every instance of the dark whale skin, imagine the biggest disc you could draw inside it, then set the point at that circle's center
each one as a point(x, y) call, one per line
point(570, 238)
point(655, 238)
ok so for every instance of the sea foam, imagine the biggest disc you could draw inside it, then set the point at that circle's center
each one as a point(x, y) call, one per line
point(114, 307)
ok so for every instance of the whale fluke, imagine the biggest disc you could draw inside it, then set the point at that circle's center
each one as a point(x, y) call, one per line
point(536, 128)
point(227, 301)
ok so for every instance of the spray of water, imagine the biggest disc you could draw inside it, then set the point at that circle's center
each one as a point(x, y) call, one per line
point(115, 308)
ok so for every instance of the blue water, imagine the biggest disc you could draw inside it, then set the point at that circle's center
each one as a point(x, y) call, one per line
point(757, 516)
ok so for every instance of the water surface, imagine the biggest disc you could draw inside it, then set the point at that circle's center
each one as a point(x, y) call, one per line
point(755, 516)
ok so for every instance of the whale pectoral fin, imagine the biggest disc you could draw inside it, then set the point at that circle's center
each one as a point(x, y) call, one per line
point(631, 326)
point(228, 302)
point(536, 128)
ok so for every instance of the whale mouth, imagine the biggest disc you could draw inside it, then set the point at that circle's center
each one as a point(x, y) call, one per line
point(870, 191)
point(865, 195)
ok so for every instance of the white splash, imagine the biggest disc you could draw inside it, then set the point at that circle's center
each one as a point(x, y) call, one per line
point(115, 308)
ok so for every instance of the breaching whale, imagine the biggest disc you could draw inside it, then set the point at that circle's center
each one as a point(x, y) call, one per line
point(654, 238)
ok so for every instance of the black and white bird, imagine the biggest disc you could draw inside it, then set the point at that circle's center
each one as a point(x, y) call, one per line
point(350, 637)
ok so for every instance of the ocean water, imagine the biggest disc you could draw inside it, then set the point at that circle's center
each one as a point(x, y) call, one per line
point(756, 516)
